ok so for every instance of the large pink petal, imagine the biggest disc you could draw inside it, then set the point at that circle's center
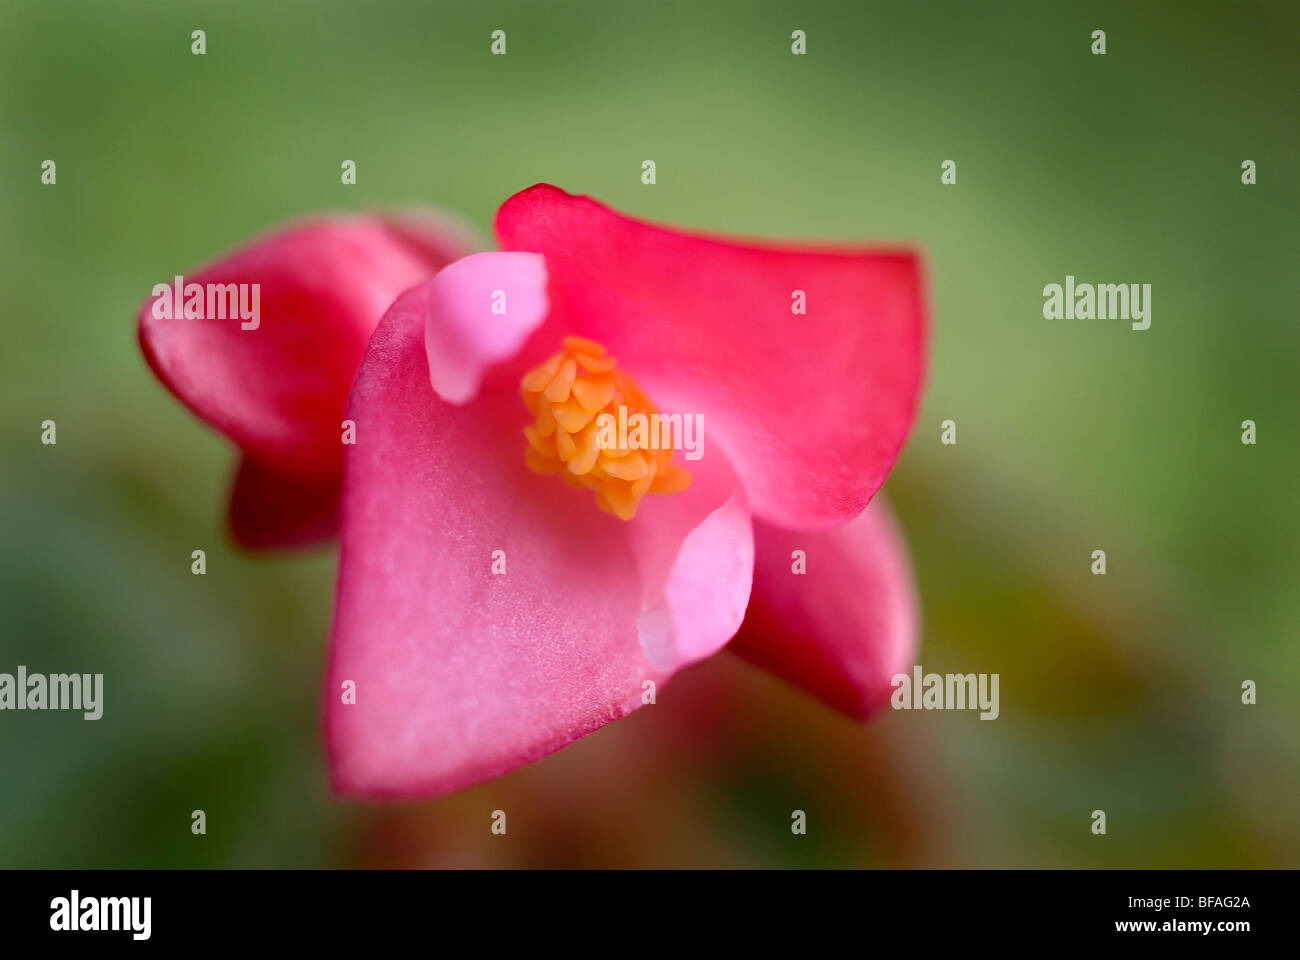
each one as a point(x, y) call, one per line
point(812, 409)
point(277, 389)
point(461, 674)
point(846, 626)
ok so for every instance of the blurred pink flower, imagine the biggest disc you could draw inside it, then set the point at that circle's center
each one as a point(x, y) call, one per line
point(278, 391)
point(461, 673)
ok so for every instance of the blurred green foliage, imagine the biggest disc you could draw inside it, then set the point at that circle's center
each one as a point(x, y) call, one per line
point(1119, 693)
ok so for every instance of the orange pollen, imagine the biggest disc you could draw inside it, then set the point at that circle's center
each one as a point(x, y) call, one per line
point(569, 395)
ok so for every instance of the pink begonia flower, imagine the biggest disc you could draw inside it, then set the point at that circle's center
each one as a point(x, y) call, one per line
point(276, 386)
point(487, 614)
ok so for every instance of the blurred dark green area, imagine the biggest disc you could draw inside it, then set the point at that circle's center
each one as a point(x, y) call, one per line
point(1119, 693)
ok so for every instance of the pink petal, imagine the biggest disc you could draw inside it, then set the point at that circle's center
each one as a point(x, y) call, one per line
point(481, 310)
point(697, 588)
point(811, 410)
point(270, 508)
point(461, 674)
point(278, 390)
point(846, 626)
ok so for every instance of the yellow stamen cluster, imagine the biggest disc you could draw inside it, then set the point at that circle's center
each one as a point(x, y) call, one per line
point(567, 394)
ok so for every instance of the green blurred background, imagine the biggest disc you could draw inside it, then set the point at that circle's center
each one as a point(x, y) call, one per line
point(1119, 692)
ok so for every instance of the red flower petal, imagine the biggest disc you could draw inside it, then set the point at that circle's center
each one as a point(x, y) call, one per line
point(278, 389)
point(846, 626)
point(461, 674)
point(271, 508)
point(812, 409)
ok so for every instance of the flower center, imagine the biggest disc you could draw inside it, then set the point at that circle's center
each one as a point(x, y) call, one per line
point(579, 398)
